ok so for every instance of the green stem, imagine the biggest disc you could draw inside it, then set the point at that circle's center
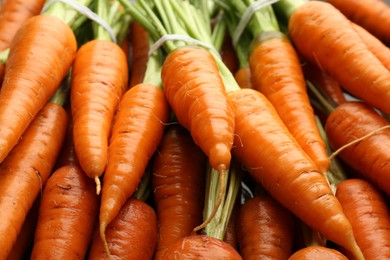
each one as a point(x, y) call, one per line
point(102, 10)
point(218, 33)
point(288, 7)
point(61, 95)
point(153, 69)
point(144, 188)
point(4, 56)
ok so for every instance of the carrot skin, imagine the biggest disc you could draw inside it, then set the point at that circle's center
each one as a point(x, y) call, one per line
point(195, 91)
point(353, 120)
point(139, 39)
point(244, 78)
point(265, 229)
point(178, 179)
point(67, 215)
point(131, 235)
point(317, 252)
point(2, 68)
point(291, 177)
point(276, 72)
point(340, 53)
point(99, 79)
point(27, 168)
point(40, 56)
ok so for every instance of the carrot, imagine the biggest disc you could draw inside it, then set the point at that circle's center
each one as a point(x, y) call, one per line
point(228, 54)
point(317, 252)
point(243, 77)
point(13, 13)
point(139, 38)
point(373, 15)
point(2, 68)
point(291, 177)
point(178, 183)
point(230, 235)
point(26, 169)
point(67, 215)
point(340, 53)
point(367, 210)
point(353, 120)
point(136, 133)
point(265, 229)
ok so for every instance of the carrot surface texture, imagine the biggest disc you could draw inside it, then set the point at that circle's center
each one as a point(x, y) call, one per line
point(317, 252)
point(99, 79)
point(340, 53)
point(291, 177)
point(27, 167)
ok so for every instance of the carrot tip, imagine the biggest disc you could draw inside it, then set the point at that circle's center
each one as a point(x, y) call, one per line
point(102, 230)
point(98, 185)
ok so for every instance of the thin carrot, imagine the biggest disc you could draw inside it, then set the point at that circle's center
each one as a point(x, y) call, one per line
point(291, 177)
point(13, 13)
point(373, 15)
point(178, 179)
point(67, 215)
point(324, 36)
point(139, 38)
point(265, 229)
point(317, 252)
point(26, 169)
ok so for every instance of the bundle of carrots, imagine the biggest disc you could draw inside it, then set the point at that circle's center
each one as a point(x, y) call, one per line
point(175, 129)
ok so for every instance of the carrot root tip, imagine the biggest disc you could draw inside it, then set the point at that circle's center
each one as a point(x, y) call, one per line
point(98, 185)
point(103, 238)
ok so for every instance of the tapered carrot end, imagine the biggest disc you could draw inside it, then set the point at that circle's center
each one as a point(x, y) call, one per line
point(98, 185)
point(355, 249)
point(220, 157)
point(102, 230)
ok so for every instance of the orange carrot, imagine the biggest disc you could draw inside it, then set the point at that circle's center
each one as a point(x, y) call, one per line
point(373, 15)
point(228, 54)
point(272, 156)
point(178, 179)
point(131, 235)
point(318, 253)
point(26, 169)
point(1, 73)
point(367, 210)
point(139, 38)
point(40, 56)
point(244, 78)
point(339, 53)
point(13, 13)
point(136, 133)
point(67, 215)
point(99, 79)
point(353, 120)
point(265, 229)
point(230, 236)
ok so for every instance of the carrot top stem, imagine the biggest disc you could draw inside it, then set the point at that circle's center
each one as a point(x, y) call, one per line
point(219, 31)
point(4, 56)
point(101, 9)
point(288, 7)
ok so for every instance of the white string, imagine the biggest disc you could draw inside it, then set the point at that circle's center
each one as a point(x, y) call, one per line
point(180, 37)
point(251, 9)
point(86, 12)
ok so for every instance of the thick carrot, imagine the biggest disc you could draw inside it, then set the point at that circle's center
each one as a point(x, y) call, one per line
point(26, 169)
point(373, 15)
point(324, 36)
point(67, 215)
point(265, 229)
point(275, 160)
point(13, 13)
point(318, 253)
point(136, 133)
point(40, 56)
point(179, 168)
point(243, 77)
point(367, 210)
point(353, 120)
point(139, 39)
point(99, 79)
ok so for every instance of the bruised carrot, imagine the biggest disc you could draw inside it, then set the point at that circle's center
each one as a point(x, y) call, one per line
point(339, 53)
point(317, 252)
point(291, 177)
point(373, 15)
point(26, 169)
point(139, 38)
point(136, 133)
point(353, 120)
point(67, 215)
point(178, 179)
point(40, 56)
point(13, 13)
point(265, 229)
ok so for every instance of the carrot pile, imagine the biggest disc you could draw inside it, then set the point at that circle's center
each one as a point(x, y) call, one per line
point(174, 129)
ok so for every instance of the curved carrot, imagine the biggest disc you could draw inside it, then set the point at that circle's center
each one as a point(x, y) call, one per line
point(277, 73)
point(275, 160)
point(13, 13)
point(367, 210)
point(67, 215)
point(99, 79)
point(136, 133)
point(353, 120)
point(339, 53)
point(178, 179)
point(26, 169)
point(40, 56)
point(265, 229)
point(318, 253)
point(139, 38)
point(131, 235)
point(201, 247)
point(373, 15)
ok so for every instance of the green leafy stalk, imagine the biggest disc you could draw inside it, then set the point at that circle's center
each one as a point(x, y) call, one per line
point(288, 7)
point(102, 10)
